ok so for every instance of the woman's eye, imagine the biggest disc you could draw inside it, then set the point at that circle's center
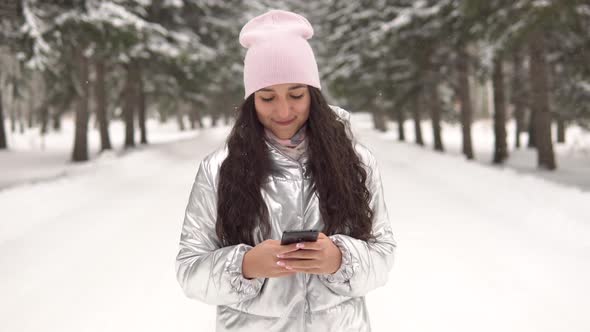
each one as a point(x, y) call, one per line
point(297, 97)
point(267, 99)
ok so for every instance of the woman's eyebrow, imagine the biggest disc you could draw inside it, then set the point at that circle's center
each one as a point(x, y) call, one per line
point(290, 88)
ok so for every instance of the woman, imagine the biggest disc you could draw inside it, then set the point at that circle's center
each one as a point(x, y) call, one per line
point(290, 163)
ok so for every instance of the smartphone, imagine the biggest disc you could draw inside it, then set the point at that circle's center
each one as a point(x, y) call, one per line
point(309, 235)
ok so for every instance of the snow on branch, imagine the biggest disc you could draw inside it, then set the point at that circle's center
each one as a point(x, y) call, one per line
point(34, 28)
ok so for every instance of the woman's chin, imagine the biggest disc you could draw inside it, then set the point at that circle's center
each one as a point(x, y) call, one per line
point(282, 134)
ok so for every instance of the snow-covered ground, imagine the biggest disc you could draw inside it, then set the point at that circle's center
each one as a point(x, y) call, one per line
point(33, 158)
point(479, 247)
point(572, 157)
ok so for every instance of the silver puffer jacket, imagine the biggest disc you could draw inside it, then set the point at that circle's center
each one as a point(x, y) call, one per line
point(301, 302)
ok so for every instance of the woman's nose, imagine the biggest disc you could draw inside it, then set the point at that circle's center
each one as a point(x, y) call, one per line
point(283, 110)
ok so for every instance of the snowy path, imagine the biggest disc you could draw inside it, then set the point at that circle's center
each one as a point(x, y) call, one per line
point(479, 248)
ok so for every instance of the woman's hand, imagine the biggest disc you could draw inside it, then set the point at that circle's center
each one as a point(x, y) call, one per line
point(261, 261)
point(320, 257)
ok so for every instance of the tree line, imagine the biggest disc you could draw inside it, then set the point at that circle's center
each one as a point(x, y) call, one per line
point(117, 59)
point(427, 59)
point(437, 60)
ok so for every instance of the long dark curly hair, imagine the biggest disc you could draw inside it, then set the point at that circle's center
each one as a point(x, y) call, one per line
point(336, 172)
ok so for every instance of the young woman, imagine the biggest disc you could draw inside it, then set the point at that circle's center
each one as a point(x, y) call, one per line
point(290, 163)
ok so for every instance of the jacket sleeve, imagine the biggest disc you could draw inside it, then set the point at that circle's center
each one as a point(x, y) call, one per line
point(365, 264)
point(205, 270)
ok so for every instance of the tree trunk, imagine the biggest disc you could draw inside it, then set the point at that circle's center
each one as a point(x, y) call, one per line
point(379, 120)
point(56, 120)
point(30, 112)
point(20, 117)
point(80, 152)
point(214, 119)
point(500, 145)
point(531, 130)
point(416, 110)
point(101, 106)
point(560, 129)
point(435, 117)
point(162, 113)
point(3, 143)
point(540, 101)
point(129, 107)
point(12, 109)
point(198, 117)
point(180, 118)
point(191, 118)
point(12, 115)
point(44, 117)
point(141, 105)
point(517, 95)
point(465, 100)
point(35, 92)
point(400, 118)
point(557, 117)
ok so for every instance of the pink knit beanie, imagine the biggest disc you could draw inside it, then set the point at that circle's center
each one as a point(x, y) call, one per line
point(278, 51)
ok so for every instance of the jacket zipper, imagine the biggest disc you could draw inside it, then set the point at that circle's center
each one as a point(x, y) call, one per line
point(302, 214)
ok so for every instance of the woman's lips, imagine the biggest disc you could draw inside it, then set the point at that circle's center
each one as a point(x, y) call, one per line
point(285, 123)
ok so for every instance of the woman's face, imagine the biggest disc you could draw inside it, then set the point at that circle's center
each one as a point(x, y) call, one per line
point(283, 108)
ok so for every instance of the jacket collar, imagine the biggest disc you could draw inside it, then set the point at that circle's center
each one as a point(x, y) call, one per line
point(282, 161)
